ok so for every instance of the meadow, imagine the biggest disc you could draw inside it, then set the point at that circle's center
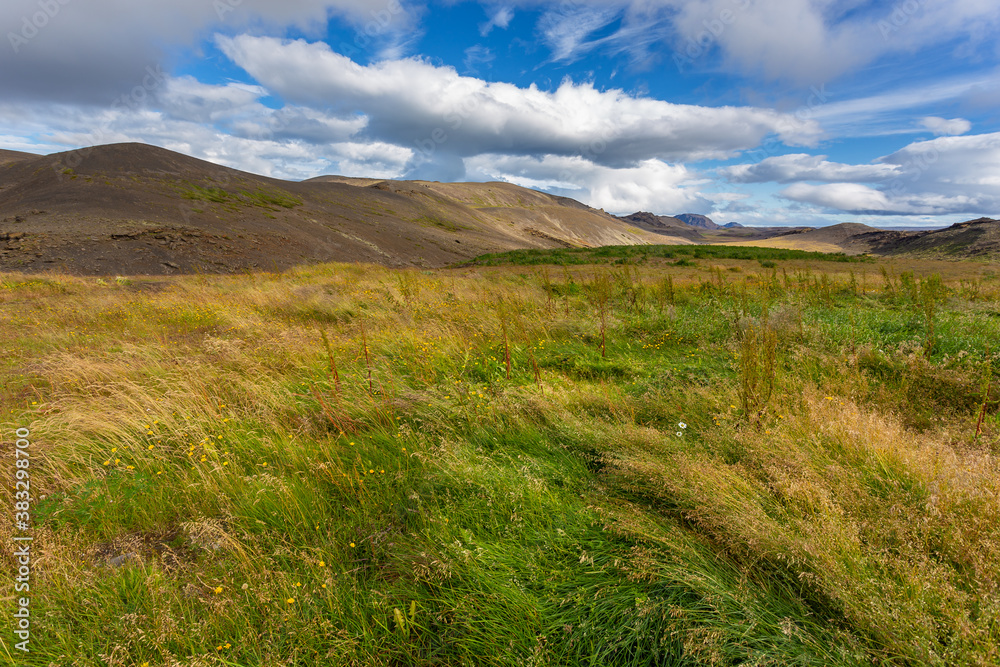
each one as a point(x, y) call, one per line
point(636, 459)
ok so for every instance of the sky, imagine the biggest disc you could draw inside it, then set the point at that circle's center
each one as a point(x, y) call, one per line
point(777, 112)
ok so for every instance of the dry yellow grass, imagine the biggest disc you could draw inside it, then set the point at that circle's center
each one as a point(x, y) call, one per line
point(851, 518)
point(787, 244)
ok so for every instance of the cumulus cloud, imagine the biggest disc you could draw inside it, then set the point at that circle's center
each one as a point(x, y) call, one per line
point(410, 118)
point(90, 52)
point(223, 125)
point(852, 197)
point(95, 65)
point(651, 185)
point(971, 160)
point(235, 109)
point(803, 167)
point(861, 199)
point(947, 175)
point(187, 98)
point(414, 103)
point(791, 39)
point(942, 126)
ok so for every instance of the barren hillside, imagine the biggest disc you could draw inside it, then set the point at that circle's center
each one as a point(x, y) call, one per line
point(133, 208)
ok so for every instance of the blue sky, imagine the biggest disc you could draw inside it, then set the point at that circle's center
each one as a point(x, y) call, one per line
point(784, 112)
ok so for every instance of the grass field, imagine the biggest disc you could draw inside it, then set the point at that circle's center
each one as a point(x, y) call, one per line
point(788, 244)
point(662, 460)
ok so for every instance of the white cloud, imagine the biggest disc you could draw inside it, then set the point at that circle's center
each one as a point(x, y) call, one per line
point(222, 124)
point(235, 109)
point(966, 161)
point(566, 29)
point(186, 97)
point(802, 167)
point(878, 115)
point(942, 126)
point(780, 39)
point(803, 41)
point(501, 18)
point(810, 41)
point(476, 56)
point(947, 175)
point(414, 103)
point(843, 196)
point(652, 185)
point(93, 51)
point(857, 198)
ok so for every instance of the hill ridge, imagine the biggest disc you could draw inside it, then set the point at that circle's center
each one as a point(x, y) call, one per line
point(136, 208)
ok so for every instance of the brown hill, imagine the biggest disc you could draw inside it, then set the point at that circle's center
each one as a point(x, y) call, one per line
point(663, 224)
point(346, 180)
point(134, 209)
point(835, 238)
point(973, 239)
point(697, 220)
point(6, 156)
point(835, 234)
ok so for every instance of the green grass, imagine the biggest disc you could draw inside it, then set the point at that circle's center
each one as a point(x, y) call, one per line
point(222, 486)
point(633, 253)
point(441, 223)
point(268, 200)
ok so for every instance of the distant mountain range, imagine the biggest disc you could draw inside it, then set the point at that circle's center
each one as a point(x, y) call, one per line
point(975, 238)
point(695, 220)
point(664, 224)
point(681, 221)
point(978, 238)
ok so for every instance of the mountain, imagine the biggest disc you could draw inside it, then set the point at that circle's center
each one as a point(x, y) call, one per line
point(973, 239)
point(732, 225)
point(134, 208)
point(695, 220)
point(978, 238)
point(663, 224)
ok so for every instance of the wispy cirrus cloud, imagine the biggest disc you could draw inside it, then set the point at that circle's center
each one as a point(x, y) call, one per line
point(567, 30)
point(500, 18)
point(874, 115)
point(801, 41)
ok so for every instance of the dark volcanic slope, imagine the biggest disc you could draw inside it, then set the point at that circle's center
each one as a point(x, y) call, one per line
point(696, 220)
point(663, 224)
point(7, 157)
point(134, 209)
point(975, 238)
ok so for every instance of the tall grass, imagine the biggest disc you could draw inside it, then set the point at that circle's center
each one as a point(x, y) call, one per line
point(352, 465)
